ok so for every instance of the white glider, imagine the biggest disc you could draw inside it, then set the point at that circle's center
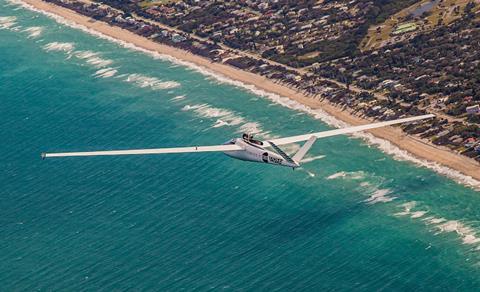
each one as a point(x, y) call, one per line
point(248, 149)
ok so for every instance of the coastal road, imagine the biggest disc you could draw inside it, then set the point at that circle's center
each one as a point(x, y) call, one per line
point(239, 53)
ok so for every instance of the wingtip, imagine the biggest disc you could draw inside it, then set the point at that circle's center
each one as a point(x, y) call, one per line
point(43, 155)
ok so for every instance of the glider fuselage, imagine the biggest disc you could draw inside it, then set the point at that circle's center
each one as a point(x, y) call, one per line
point(256, 152)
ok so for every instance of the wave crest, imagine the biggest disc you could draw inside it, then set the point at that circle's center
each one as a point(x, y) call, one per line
point(226, 117)
point(7, 22)
point(34, 31)
point(59, 47)
point(150, 82)
point(106, 72)
point(380, 196)
point(466, 233)
point(93, 59)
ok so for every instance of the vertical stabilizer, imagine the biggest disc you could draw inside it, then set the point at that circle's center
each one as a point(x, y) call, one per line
point(301, 153)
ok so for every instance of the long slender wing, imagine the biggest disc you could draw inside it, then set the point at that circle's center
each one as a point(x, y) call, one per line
point(218, 148)
point(324, 134)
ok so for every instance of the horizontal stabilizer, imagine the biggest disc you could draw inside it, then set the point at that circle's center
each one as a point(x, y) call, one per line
point(301, 153)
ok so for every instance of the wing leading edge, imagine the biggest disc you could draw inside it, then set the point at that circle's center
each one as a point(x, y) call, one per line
point(228, 148)
point(324, 134)
point(218, 148)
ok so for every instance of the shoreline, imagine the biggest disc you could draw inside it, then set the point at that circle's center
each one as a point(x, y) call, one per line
point(414, 146)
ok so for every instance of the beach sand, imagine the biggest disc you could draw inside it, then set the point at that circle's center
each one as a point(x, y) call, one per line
point(415, 146)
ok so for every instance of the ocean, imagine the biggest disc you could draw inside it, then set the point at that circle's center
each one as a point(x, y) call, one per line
point(359, 214)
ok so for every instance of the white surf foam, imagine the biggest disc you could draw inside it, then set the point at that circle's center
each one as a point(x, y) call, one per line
point(219, 123)
point(34, 31)
point(224, 117)
point(144, 81)
point(408, 211)
point(7, 22)
point(251, 128)
point(85, 54)
point(99, 62)
point(433, 220)
point(369, 185)
point(383, 145)
point(354, 175)
point(179, 97)
point(418, 214)
point(93, 58)
point(337, 175)
point(364, 184)
point(59, 47)
point(380, 196)
point(407, 208)
point(466, 233)
point(312, 158)
point(106, 72)
point(17, 28)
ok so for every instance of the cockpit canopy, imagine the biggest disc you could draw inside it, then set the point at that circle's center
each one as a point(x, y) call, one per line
point(249, 138)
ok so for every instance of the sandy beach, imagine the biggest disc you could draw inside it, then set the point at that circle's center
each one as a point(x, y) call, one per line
point(413, 145)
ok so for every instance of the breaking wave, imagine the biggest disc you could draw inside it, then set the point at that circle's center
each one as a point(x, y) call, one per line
point(150, 82)
point(179, 97)
point(355, 175)
point(441, 225)
point(380, 196)
point(59, 47)
point(313, 158)
point(319, 114)
point(226, 117)
point(34, 31)
point(337, 175)
point(93, 59)
point(85, 54)
point(252, 128)
point(369, 185)
point(219, 123)
point(99, 62)
point(208, 111)
point(106, 72)
point(466, 233)
point(7, 22)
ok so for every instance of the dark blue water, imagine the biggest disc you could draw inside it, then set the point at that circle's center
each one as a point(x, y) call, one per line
point(353, 217)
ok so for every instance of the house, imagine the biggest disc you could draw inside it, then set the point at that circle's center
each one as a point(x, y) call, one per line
point(176, 38)
point(388, 84)
point(456, 139)
point(470, 142)
point(164, 33)
point(474, 109)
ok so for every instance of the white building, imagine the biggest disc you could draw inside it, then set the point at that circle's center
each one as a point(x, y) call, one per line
point(474, 109)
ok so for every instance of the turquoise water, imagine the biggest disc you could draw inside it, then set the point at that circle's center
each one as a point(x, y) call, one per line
point(353, 217)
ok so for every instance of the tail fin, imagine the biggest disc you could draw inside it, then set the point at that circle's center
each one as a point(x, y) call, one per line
point(301, 153)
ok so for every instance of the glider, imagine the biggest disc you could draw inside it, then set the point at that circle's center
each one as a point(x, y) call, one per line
point(249, 149)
